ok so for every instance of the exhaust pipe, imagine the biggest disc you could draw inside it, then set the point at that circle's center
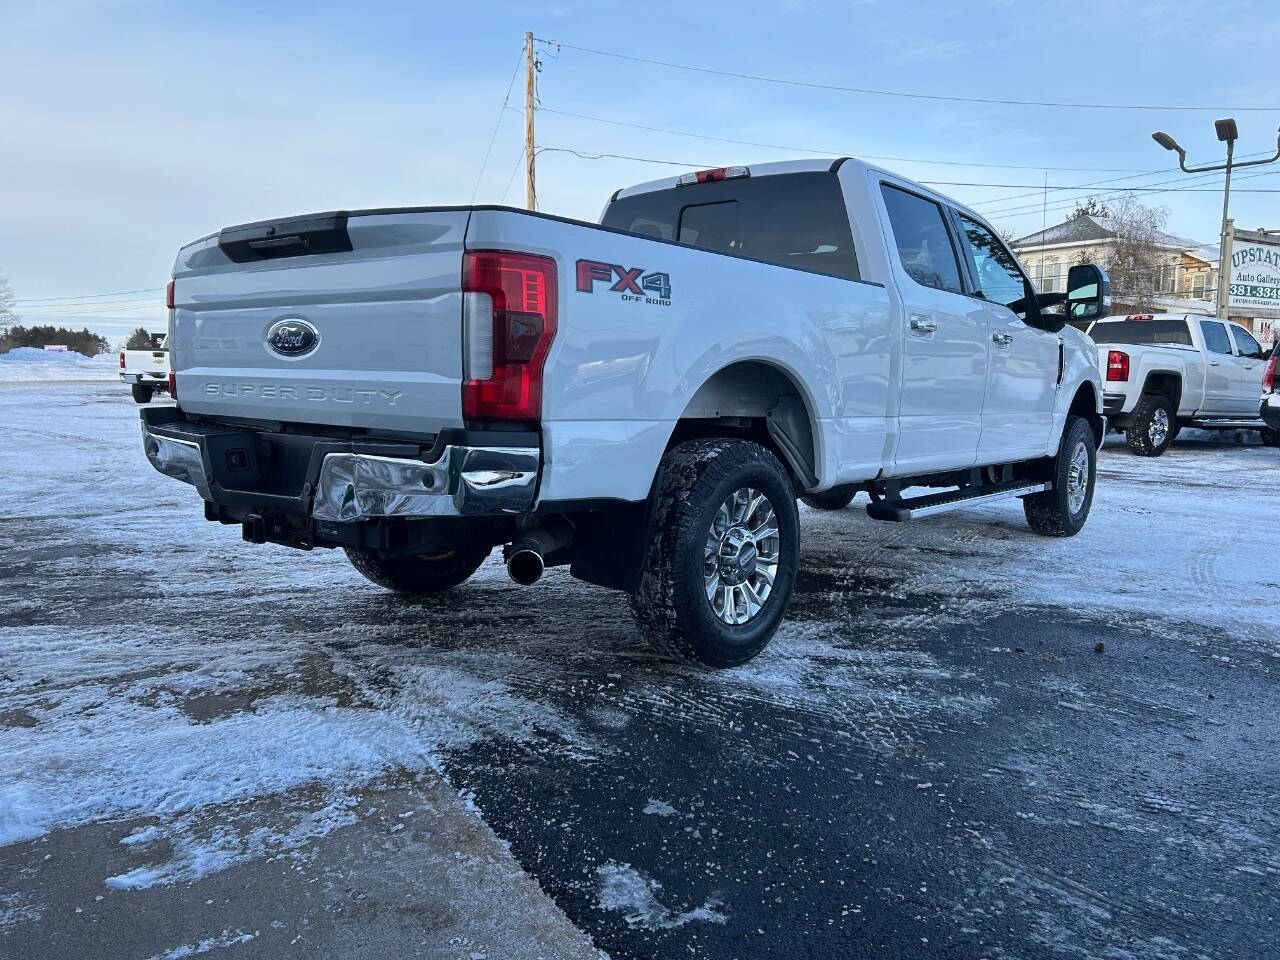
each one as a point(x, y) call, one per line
point(527, 556)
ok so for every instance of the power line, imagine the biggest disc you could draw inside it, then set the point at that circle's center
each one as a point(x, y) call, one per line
point(91, 296)
point(621, 156)
point(870, 91)
point(494, 136)
point(1073, 202)
point(1134, 189)
point(837, 153)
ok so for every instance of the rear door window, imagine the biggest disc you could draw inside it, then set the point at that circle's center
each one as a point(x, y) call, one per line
point(920, 234)
point(1166, 331)
point(792, 219)
point(1215, 337)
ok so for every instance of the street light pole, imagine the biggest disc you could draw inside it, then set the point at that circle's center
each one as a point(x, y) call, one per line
point(1228, 134)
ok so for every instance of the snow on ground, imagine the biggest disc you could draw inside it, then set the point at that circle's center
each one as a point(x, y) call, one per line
point(214, 673)
point(30, 364)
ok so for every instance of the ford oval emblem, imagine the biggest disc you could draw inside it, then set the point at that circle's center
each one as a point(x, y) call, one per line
point(292, 337)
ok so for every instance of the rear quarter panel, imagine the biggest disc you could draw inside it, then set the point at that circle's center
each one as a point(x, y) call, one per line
point(622, 371)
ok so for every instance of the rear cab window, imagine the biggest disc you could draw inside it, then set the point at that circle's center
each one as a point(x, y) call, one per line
point(790, 219)
point(1158, 331)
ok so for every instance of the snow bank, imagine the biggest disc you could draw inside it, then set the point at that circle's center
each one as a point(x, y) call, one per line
point(31, 364)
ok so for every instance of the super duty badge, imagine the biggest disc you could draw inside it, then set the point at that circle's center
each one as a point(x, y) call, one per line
point(633, 284)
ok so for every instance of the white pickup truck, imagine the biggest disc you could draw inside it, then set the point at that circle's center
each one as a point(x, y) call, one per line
point(146, 371)
point(1166, 371)
point(642, 399)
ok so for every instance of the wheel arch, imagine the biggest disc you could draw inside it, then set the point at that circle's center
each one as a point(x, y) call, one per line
point(763, 400)
point(1165, 382)
point(1085, 403)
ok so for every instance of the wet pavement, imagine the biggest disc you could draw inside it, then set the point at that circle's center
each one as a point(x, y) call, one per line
point(966, 741)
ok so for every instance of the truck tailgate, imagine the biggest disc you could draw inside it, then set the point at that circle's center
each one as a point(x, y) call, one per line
point(349, 321)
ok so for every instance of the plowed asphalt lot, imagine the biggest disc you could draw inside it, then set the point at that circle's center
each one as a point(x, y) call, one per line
point(966, 741)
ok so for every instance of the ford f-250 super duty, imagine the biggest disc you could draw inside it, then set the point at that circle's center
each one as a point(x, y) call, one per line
point(1166, 371)
point(643, 399)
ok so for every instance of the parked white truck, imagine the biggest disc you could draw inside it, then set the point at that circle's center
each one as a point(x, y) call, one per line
point(643, 399)
point(146, 371)
point(1166, 371)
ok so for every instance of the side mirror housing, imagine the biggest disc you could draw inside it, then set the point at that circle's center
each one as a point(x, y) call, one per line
point(1088, 293)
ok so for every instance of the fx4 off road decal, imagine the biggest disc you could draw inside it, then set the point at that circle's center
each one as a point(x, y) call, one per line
point(632, 283)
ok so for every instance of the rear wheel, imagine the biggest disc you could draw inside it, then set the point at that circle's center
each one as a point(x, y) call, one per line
point(1270, 437)
point(1062, 511)
point(1152, 426)
point(837, 498)
point(419, 575)
point(142, 393)
point(722, 563)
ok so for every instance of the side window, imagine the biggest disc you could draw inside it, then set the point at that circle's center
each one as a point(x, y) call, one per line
point(999, 278)
point(1215, 337)
point(924, 246)
point(1245, 343)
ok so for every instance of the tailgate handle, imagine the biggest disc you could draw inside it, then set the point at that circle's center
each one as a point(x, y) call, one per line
point(280, 243)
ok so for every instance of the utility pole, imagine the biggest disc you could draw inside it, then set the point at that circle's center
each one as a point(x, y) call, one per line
point(1228, 134)
point(530, 66)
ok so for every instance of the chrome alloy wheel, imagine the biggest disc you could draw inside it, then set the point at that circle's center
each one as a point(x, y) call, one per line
point(1159, 427)
point(1078, 478)
point(741, 556)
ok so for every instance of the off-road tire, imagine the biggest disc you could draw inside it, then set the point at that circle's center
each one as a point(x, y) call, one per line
point(837, 498)
point(419, 575)
point(1269, 437)
point(1049, 513)
point(671, 605)
point(1137, 435)
point(142, 393)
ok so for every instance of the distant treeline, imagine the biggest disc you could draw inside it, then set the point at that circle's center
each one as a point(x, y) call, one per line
point(81, 341)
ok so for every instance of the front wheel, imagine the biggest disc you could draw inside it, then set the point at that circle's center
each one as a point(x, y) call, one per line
point(1062, 511)
point(722, 563)
point(1270, 437)
point(142, 393)
point(419, 575)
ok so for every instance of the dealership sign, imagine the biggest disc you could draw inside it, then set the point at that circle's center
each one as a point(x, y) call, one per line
point(1254, 283)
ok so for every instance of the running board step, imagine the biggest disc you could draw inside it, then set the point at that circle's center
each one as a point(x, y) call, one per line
point(1241, 424)
point(913, 508)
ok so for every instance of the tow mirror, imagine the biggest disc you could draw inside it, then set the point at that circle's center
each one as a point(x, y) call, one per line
point(1088, 292)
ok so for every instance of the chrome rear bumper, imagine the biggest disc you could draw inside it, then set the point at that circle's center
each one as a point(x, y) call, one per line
point(463, 481)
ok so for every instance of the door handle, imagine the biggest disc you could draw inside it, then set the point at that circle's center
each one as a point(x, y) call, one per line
point(1214, 363)
point(922, 324)
point(1002, 339)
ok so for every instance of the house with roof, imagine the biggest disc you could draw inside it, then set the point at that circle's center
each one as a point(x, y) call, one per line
point(1188, 271)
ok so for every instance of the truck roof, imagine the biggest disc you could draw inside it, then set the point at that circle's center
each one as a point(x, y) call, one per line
point(811, 165)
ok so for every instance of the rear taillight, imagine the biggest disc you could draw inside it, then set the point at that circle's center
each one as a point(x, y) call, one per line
point(121, 359)
point(509, 321)
point(1269, 374)
point(173, 376)
point(1117, 365)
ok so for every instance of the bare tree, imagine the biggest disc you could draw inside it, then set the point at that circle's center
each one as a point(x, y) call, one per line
point(1136, 257)
point(8, 313)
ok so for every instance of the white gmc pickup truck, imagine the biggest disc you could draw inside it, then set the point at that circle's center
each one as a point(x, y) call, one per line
point(1166, 371)
point(643, 399)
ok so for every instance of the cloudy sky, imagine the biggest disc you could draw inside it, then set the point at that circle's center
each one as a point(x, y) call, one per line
point(129, 128)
